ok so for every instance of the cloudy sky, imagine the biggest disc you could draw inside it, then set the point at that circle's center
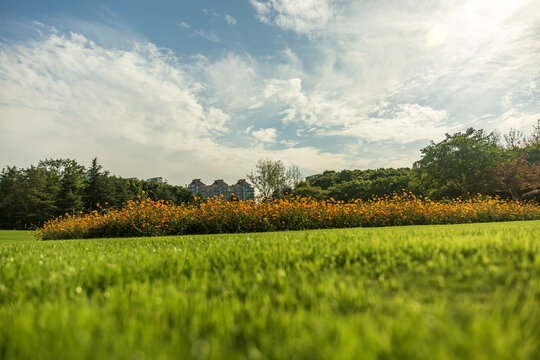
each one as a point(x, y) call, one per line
point(203, 89)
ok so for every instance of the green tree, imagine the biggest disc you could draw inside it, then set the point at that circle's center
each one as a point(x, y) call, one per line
point(304, 189)
point(28, 197)
point(461, 164)
point(11, 188)
point(71, 177)
point(270, 177)
point(324, 181)
point(99, 189)
point(349, 190)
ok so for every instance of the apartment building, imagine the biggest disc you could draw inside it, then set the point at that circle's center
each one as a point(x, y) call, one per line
point(198, 188)
point(158, 180)
point(242, 190)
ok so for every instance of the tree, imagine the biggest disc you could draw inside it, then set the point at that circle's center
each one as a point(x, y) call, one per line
point(98, 189)
point(27, 197)
point(518, 176)
point(324, 181)
point(11, 188)
point(270, 177)
point(514, 139)
point(71, 176)
point(294, 176)
point(532, 145)
point(349, 190)
point(460, 164)
point(304, 189)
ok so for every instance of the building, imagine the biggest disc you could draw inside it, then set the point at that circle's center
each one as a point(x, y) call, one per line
point(242, 190)
point(198, 188)
point(313, 176)
point(158, 180)
point(218, 188)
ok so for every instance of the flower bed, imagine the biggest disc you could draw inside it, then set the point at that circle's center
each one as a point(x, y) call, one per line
point(146, 217)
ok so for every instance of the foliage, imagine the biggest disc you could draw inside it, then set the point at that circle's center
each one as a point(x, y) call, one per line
point(155, 218)
point(461, 164)
point(294, 176)
point(350, 185)
point(304, 189)
point(432, 292)
point(518, 176)
point(271, 178)
point(98, 189)
point(464, 164)
point(29, 197)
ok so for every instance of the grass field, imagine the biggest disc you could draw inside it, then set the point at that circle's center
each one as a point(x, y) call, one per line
point(16, 236)
point(427, 292)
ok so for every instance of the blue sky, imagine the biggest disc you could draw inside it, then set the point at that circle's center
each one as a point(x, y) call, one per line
point(203, 89)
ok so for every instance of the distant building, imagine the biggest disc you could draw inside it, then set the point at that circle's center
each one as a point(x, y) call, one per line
point(312, 176)
point(242, 190)
point(158, 180)
point(198, 188)
point(218, 188)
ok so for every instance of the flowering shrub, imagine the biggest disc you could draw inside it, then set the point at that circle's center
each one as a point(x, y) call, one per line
point(146, 217)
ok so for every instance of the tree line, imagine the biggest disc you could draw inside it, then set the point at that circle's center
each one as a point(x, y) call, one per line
point(54, 187)
point(462, 165)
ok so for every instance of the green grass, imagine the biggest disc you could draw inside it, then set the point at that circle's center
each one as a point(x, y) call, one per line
point(426, 292)
point(16, 236)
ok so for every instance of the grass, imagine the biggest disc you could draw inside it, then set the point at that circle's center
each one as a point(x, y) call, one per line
point(467, 291)
point(16, 236)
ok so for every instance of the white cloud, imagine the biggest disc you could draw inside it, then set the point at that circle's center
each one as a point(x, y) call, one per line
point(230, 19)
point(66, 94)
point(302, 16)
point(183, 25)
point(233, 81)
point(514, 119)
point(217, 119)
point(208, 35)
point(265, 135)
point(137, 94)
point(140, 111)
point(466, 58)
point(388, 74)
point(407, 123)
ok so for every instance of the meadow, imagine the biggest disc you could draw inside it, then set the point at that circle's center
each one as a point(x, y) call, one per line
point(468, 291)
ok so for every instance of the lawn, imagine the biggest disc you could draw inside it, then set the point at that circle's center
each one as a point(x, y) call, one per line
point(16, 236)
point(467, 291)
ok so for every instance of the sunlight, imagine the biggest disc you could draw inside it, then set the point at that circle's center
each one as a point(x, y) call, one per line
point(476, 19)
point(437, 35)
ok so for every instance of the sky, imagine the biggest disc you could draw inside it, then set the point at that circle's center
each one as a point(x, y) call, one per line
point(203, 89)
